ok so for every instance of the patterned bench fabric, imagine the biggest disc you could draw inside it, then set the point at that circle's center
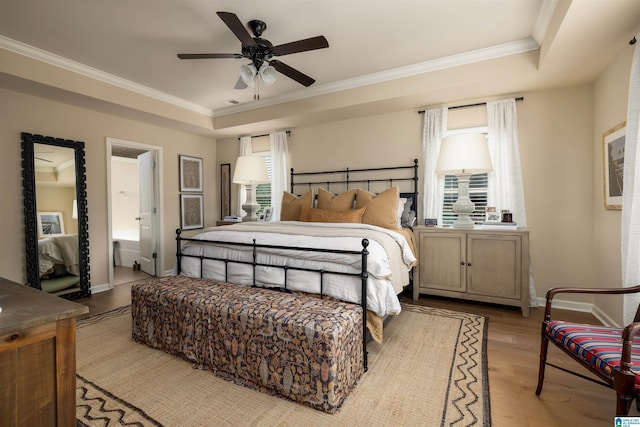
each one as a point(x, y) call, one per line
point(600, 346)
point(303, 348)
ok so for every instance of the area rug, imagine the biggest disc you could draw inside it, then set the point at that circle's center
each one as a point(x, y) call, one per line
point(430, 370)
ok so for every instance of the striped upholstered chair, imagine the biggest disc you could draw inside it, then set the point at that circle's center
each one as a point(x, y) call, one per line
point(612, 354)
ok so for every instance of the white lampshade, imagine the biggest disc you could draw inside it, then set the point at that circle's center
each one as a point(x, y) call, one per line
point(74, 211)
point(248, 74)
point(464, 153)
point(268, 74)
point(250, 170)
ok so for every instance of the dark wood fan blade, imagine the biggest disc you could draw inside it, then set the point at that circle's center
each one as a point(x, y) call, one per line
point(208, 55)
point(313, 43)
point(292, 73)
point(237, 28)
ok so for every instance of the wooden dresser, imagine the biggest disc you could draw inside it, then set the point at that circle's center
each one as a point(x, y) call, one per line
point(480, 265)
point(37, 357)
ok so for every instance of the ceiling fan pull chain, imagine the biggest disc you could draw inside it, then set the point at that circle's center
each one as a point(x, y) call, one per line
point(256, 88)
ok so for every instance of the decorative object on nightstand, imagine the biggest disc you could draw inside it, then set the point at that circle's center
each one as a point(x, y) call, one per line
point(463, 155)
point(250, 170)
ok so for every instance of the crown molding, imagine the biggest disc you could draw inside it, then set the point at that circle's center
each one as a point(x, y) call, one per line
point(544, 19)
point(466, 58)
point(84, 70)
point(471, 57)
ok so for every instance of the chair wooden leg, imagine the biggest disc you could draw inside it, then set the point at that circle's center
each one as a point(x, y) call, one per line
point(544, 344)
point(623, 403)
point(624, 386)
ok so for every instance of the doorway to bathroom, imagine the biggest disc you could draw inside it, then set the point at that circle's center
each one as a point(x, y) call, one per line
point(134, 180)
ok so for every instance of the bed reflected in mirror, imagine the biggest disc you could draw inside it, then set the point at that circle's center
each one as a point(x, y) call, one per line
point(56, 236)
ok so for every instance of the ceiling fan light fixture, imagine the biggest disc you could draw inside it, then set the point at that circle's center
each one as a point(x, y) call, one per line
point(268, 74)
point(248, 74)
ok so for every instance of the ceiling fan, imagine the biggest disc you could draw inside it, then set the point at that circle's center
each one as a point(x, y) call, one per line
point(261, 51)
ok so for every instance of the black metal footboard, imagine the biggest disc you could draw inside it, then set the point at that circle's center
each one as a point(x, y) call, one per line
point(256, 248)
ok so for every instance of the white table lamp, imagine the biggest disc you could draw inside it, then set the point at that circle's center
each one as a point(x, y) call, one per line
point(463, 155)
point(250, 170)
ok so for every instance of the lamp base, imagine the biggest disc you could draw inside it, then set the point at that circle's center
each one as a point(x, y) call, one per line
point(463, 207)
point(252, 212)
point(251, 207)
point(463, 221)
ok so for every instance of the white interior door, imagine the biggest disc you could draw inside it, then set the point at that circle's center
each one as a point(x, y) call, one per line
point(146, 165)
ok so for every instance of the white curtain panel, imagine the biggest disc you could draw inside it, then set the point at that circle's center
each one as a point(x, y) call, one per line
point(245, 150)
point(631, 193)
point(505, 188)
point(435, 127)
point(279, 167)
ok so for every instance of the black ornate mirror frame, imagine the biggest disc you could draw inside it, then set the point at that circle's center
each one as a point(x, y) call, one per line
point(30, 210)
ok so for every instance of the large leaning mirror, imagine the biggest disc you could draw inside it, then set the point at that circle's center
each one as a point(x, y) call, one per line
point(55, 215)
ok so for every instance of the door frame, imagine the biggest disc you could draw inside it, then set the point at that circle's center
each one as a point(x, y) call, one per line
point(158, 180)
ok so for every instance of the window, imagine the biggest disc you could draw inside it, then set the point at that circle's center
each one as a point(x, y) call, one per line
point(263, 191)
point(478, 185)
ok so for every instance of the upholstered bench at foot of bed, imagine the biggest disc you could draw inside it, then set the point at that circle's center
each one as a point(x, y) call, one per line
point(303, 348)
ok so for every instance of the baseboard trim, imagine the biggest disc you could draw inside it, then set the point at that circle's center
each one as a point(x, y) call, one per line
point(95, 289)
point(582, 307)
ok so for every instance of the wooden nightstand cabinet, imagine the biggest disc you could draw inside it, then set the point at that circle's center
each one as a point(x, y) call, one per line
point(481, 265)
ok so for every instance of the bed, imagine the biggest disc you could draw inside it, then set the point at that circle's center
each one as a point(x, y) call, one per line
point(389, 259)
point(323, 219)
point(58, 262)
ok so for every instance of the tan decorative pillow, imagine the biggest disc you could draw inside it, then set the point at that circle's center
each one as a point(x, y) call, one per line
point(382, 209)
point(292, 206)
point(321, 215)
point(336, 203)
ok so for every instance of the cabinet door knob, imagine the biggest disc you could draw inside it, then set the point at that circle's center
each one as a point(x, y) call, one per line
point(461, 262)
point(469, 264)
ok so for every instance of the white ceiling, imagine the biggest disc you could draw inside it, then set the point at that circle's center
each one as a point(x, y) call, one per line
point(370, 40)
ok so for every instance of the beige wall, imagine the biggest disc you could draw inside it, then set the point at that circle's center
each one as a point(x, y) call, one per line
point(610, 109)
point(125, 199)
point(19, 112)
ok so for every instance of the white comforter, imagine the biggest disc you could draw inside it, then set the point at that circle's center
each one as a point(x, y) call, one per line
point(389, 261)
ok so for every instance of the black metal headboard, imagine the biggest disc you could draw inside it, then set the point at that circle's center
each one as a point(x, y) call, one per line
point(362, 178)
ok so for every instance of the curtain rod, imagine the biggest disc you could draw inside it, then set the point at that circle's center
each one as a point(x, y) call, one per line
point(521, 98)
point(266, 134)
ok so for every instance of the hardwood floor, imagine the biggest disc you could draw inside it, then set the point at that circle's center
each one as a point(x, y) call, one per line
point(513, 356)
point(119, 296)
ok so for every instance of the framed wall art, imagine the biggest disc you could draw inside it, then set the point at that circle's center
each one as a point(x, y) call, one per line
point(190, 174)
point(225, 190)
point(191, 211)
point(613, 142)
point(50, 224)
